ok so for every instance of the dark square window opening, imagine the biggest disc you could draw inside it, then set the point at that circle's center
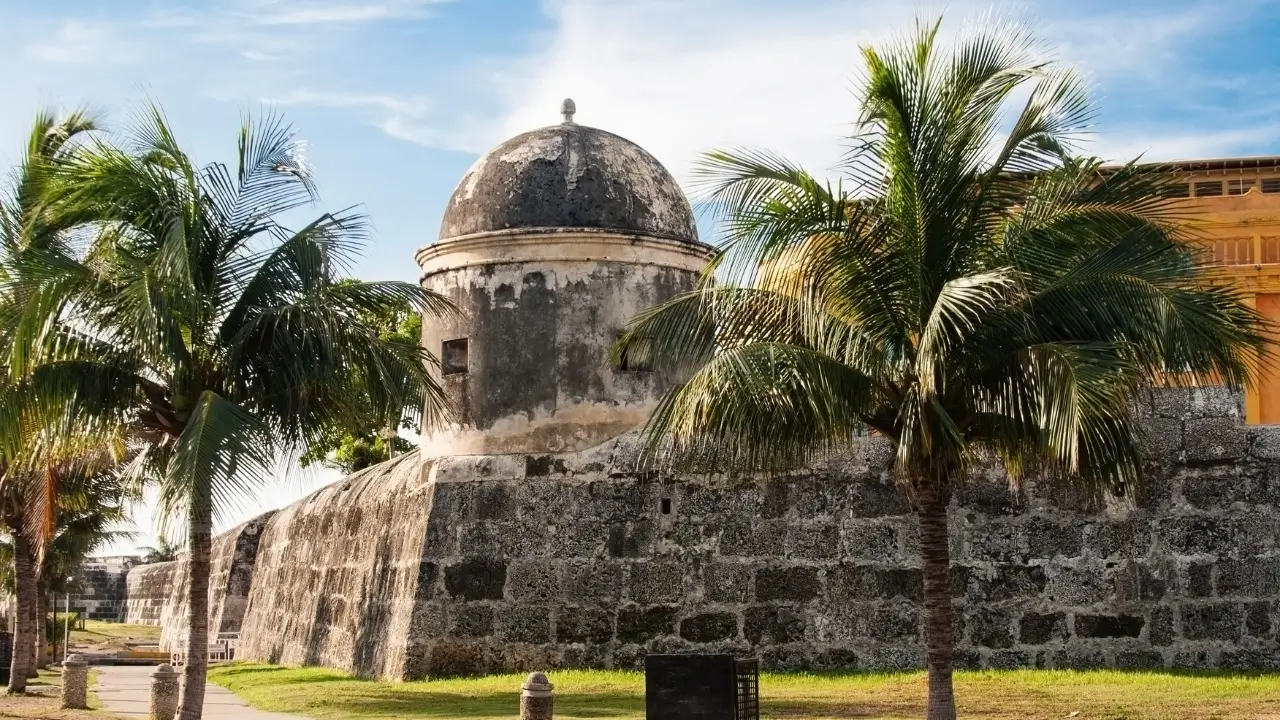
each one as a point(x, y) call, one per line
point(637, 356)
point(453, 357)
point(1209, 189)
point(666, 506)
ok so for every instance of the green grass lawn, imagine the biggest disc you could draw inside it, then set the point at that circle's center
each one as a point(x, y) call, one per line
point(598, 695)
point(97, 632)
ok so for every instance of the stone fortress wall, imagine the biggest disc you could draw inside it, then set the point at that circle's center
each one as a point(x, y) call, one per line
point(524, 536)
point(156, 593)
point(101, 591)
point(512, 562)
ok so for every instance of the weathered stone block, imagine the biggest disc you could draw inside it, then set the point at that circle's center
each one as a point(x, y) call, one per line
point(763, 539)
point(584, 625)
point(657, 581)
point(1196, 535)
point(592, 581)
point(1129, 538)
point(1011, 659)
point(1214, 621)
point(1048, 538)
point(454, 658)
point(869, 541)
point(579, 538)
point(471, 620)
point(1005, 582)
point(1041, 628)
point(1215, 401)
point(727, 582)
point(813, 541)
point(1075, 586)
point(1108, 626)
point(770, 625)
point(990, 628)
point(641, 624)
point(476, 579)
point(709, 627)
point(996, 542)
point(1265, 442)
point(533, 581)
point(895, 621)
point(1076, 658)
point(1162, 437)
point(1250, 660)
point(1160, 627)
point(1139, 660)
point(524, 624)
point(1257, 621)
point(633, 539)
point(794, 583)
point(1197, 579)
point(1253, 577)
point(853, 583)
point(1213, 440)
point(1215, 490)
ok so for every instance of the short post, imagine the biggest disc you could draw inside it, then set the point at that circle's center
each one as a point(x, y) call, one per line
point(75, 683)
point(164, 693)
point(536, 700)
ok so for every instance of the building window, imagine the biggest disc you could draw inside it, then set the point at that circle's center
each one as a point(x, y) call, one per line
point(1238, 187)
point(1271, 185)
point(1209, 189)
point(1176, 190)
point(453, 357)
point(636, 356)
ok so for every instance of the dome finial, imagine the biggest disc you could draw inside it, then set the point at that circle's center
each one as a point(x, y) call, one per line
point(568, 108)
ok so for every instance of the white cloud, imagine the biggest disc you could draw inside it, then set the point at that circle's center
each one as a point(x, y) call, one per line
point(78, 42)
point(683, 77)
point(293, 12)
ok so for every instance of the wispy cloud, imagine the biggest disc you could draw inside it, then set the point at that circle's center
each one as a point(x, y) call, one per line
point(782, 77)
point(292, 12)
point(77, 42)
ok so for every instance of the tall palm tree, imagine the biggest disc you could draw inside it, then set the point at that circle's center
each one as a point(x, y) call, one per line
point(227, 336)
point(966, 290)
point(31, 426)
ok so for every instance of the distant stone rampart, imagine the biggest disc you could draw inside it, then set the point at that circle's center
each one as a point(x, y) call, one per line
point(157, 592)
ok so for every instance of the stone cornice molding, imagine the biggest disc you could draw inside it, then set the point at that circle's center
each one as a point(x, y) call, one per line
point(504, 247)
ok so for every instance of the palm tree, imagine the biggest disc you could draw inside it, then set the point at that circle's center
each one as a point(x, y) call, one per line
point(966, 291)
point(163, 551)
point(27, 434)
point(226, 335)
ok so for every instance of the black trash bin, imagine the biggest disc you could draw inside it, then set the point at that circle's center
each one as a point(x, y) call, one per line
point(701, 687)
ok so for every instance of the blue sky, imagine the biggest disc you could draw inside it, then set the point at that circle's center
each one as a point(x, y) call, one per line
point(396, 98)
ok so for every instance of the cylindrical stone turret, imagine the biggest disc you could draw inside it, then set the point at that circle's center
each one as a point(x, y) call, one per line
point(165, 690)
point(536, 699)
point(549, 246)
point(75, 683)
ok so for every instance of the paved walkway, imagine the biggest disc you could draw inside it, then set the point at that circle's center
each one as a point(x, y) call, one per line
point(126, 690)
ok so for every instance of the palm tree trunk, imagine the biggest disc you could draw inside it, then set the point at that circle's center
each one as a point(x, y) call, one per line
point(199, 542)
point(935, 562)
point(42, 620)
point(24, 635)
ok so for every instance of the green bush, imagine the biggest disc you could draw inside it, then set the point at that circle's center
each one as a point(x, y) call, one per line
point(56, 629)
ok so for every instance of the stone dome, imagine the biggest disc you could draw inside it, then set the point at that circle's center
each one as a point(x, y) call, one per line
point(569, 176)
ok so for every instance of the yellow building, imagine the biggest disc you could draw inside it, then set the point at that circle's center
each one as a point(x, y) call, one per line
point(1233, 210)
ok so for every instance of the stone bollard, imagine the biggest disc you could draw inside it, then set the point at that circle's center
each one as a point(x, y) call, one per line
point(164, 693)
point(536, 700)
point(75, 683)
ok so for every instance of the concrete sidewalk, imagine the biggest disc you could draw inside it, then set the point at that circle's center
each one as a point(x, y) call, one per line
point(126, 690)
